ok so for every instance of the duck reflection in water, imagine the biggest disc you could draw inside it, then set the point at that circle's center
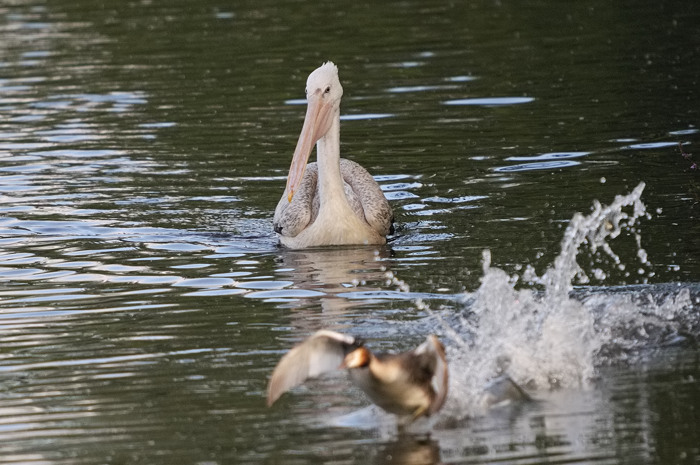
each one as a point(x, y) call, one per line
point(409, 449)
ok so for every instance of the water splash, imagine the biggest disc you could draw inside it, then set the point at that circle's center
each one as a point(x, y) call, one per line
point(594, 230)
point(550, 335)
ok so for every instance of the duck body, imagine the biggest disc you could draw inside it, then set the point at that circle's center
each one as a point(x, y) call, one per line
point(403, 384)
point(409, 384)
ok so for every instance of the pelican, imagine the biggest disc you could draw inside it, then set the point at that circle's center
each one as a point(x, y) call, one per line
point(333, 201)
point(410, 384)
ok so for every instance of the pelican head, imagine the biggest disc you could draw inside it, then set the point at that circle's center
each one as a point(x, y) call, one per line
point(323, 81)
point(323, 94)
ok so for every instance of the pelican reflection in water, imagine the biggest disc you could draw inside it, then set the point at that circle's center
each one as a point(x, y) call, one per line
point(333, 201)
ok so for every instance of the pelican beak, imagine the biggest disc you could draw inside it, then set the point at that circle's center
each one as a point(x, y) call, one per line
point(316, 125)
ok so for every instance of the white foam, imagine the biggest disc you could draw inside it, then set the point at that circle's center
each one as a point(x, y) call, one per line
point(548, 334)
point(541, 336)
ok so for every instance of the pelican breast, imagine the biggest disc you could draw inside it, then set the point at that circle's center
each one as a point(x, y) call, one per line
point(364, 197)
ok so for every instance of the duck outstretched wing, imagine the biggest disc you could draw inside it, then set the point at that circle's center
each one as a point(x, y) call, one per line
point(322, 352)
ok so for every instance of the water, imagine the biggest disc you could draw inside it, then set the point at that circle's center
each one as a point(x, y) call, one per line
point(554, 338)
point(143, 299)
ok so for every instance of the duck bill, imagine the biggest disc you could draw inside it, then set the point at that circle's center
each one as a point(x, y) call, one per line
point(358, 358)
point(316, 124)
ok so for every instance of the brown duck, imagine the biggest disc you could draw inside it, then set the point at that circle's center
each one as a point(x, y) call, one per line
point(409, 384)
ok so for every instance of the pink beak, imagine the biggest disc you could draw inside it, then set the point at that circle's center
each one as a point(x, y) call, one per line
point(316, 124)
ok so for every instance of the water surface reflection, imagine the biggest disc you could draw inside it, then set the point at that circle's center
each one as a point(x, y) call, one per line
point(143, 298)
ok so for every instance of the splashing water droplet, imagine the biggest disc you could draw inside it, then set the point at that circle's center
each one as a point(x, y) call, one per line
point(541, 339)
point(552, 335)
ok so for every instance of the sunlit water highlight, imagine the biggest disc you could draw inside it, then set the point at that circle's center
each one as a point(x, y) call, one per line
point(144, 300)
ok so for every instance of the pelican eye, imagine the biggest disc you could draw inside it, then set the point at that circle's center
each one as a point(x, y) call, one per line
point(328, 90)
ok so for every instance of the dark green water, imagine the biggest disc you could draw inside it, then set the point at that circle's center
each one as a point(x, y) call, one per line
point(143, 298)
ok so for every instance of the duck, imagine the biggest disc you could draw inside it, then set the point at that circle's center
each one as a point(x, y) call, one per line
point(333, 201)
point(410, 384)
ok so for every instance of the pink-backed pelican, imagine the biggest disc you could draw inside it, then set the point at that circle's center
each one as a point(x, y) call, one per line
point(333, 201)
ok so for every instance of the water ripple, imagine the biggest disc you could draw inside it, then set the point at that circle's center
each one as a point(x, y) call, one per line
point(365, 116)
point(550, 156)
point(651, 145)
point(409, 89)
point(490, 101)
point(545, 165)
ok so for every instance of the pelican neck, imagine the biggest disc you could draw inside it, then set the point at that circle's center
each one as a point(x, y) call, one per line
point(328, 156)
